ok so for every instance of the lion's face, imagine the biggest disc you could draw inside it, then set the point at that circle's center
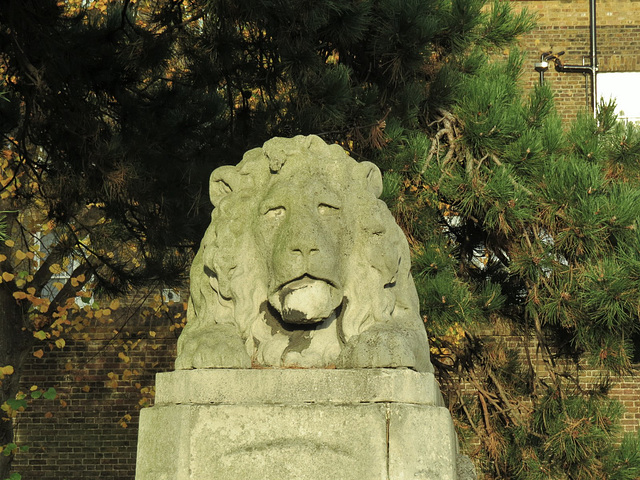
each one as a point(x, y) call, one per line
point(303, 227)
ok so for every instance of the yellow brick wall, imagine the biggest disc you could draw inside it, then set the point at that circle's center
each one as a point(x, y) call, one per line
point(564, 25)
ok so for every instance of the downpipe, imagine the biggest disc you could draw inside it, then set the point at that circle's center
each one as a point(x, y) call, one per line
point(590, 70)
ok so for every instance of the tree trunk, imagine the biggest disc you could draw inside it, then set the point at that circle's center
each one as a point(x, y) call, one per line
point(15, 345)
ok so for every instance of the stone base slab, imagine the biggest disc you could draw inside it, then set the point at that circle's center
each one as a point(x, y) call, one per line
point(296, 424)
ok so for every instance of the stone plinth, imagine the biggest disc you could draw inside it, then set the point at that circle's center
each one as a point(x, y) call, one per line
point(287, 424)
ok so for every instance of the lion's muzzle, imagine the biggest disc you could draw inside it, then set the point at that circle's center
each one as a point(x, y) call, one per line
point(306, 300)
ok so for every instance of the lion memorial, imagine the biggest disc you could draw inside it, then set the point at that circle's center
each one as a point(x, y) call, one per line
point(304, 355)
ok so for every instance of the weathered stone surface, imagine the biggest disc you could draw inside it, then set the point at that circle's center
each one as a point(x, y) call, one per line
point(296, 386)
point(164, 443)
point(303, 266)
point(422, 443)
point(366, 424)
point(466, 468)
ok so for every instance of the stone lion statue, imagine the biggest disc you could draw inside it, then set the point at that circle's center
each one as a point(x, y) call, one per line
point(302, 266)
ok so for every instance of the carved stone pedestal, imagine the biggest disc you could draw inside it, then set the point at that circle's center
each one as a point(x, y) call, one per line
point(288, 424)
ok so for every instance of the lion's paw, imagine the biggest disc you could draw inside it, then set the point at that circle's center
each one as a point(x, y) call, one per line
point(217, 347)
point(382, 348)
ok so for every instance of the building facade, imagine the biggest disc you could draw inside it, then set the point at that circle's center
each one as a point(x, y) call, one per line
point(564, 26)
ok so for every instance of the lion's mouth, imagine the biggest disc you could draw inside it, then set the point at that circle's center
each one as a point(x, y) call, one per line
point(303, 281)
point(306, 300)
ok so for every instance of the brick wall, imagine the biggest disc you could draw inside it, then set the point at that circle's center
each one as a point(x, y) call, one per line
point(80, 434)
point(625, 389)
point(86, 432)
point(564, 25)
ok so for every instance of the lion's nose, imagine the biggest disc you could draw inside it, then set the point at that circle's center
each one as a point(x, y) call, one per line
point(303, 236)
point(305, 247)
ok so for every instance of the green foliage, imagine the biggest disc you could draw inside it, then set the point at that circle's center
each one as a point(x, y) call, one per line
point(569, 437)
point(501, 27)
point(3, 227)
point(50, 394)
point(8, 449)
point(624, 462)
point(520, 220)
point(16, 404)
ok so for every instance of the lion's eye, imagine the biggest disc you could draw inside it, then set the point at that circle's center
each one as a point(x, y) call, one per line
point(275, 212)
point(326, 209)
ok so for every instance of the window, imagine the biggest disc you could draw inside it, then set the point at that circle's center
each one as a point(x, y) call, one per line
point(69, 264)
point(623, 88)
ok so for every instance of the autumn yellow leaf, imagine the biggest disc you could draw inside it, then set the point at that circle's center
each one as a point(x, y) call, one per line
point(55, 269)
point(31, 290)
point(152, 333)
point(86, 389)
point(58, 285)
point(33, 388)
point(10, 243)
point(20, 255)
point(40, 335)
point(124, 357)
point(2, 258)
point(7, 277)
point(6, 370)
point(115, 304)
point(60, 343)
point(38, 353)
point(48, 415)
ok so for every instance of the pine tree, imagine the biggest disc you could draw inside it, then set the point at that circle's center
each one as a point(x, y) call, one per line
point(517, 218)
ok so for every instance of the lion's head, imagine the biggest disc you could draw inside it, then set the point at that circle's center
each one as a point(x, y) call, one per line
point(302, 265)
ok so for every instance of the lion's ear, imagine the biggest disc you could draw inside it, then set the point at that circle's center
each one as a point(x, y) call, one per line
point(370, 176)
point(222, 182)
